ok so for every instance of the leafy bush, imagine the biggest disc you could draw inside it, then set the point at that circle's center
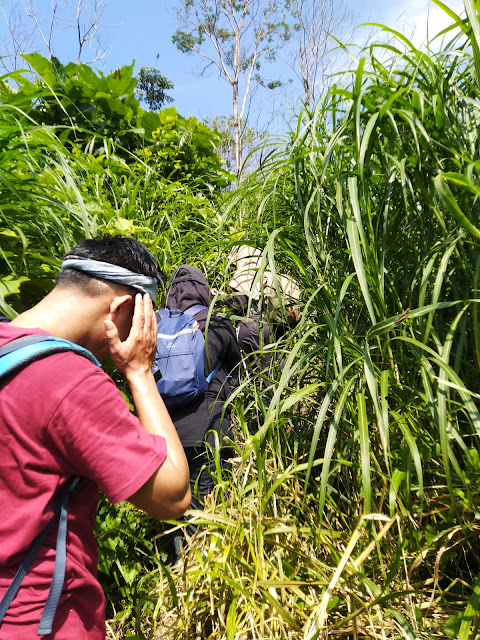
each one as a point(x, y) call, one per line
point(79, 158)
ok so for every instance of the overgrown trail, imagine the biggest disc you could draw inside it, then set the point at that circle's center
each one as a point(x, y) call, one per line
point(352, 506)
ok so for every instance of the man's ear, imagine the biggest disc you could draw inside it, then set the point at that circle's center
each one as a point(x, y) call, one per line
point(120, 304)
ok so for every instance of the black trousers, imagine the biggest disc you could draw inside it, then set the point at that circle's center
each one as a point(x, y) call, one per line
point(202, 483)
point(202, 476)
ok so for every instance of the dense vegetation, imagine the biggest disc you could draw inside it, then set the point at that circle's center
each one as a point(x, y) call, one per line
point(352, 506)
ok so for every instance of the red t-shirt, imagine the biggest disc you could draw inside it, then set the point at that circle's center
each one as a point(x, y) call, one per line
point(63, 416)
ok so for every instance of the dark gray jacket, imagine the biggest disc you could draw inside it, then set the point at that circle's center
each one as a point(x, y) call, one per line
point(188, 287)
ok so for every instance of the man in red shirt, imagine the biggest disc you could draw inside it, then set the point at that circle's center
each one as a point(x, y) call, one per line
point(62, 416)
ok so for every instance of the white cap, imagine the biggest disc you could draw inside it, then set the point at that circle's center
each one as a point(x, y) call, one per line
point(282, 298)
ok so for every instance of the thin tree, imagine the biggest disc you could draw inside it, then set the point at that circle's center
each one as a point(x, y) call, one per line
point(313, 60)
point(32, 25)
point(235, 38)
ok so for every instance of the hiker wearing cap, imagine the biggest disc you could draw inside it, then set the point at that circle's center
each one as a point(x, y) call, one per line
point(200, 418)
point(61, 417)
point(252, 279)
point(253, 332)
point(266, 304)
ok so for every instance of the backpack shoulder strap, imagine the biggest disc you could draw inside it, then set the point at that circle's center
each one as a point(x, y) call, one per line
point(165, 312)
point(13, 345)
point(213, 373)
point(13, 356)
point(46, 621)
point(161, 313)
point(20, 352)
point(192, 311)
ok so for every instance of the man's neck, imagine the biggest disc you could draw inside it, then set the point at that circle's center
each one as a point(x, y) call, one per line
point(65, 315)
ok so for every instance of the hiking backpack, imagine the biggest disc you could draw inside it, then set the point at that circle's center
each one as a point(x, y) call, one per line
point(179, 369)
point(14, 356)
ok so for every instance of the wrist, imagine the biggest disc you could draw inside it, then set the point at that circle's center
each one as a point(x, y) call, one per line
point(139, 377)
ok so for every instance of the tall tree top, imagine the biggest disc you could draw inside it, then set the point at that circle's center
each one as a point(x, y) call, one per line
point(235, 38)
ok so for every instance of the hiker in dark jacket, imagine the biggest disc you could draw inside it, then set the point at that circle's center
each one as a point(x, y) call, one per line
point(252, 331)
point(196, 421)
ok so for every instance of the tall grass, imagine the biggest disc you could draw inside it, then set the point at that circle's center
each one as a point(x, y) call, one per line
point(351, 509)
point(353, 505)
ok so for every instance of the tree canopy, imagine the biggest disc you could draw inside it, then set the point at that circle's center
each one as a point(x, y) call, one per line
point(236, 38)
point(152, 88)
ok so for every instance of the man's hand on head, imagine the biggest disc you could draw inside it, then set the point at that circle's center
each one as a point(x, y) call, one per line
point(134, 356)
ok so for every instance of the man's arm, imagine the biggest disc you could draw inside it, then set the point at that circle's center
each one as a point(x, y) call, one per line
point(166, 495)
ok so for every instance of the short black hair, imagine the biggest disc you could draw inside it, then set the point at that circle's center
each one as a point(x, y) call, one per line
point(122, 251)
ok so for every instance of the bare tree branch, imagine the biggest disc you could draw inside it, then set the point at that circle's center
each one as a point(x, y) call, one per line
point(312, 60)
point(32, 13)
point(36, 26)
point(87, 27)
point(19, 40)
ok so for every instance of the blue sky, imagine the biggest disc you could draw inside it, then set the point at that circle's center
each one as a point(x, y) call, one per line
point(142, 29)
point(145, 29)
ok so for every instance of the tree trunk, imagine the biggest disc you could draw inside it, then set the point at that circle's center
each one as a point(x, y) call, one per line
point(237, 125)
point(307, 90)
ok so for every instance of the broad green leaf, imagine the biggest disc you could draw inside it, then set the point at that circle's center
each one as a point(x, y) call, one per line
point(10, 285)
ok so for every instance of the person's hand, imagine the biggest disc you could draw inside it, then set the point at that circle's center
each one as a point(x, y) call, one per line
point(135, 355)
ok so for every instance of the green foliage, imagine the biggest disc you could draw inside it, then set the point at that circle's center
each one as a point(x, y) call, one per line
point(250, 139)
point(128, 557)
point(87, 108)
point(352, 504)
point(152, 87)
point(186, 42)
point(183, 149)
point(76, 97)
point(64, 182)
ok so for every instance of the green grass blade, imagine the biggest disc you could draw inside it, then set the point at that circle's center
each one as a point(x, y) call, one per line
point(364, 452)
point(452, 207)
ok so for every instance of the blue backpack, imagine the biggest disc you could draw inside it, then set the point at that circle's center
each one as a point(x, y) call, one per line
point(14, 356)
point(179, 368)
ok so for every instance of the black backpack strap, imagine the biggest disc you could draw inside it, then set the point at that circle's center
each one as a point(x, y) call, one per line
point(192, 311)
